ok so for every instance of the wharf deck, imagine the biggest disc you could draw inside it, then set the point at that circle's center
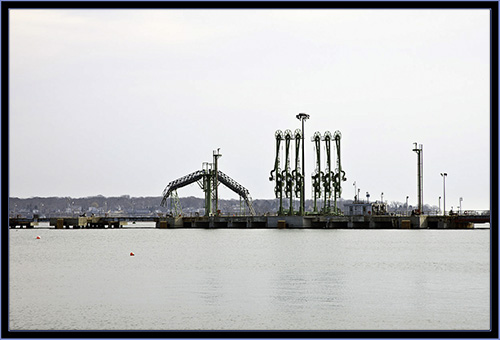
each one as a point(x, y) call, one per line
point(300, 222)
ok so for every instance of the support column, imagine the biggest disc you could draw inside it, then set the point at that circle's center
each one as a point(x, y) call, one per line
point(420, 175)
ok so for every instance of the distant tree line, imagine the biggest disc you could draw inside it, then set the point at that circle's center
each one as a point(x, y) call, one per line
point(148, 206)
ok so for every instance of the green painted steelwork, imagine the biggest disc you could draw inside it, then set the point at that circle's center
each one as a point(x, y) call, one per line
point(276, 172)
point(206, 185)
point(328, 174)
point(206, 180)
point(302, 117)
point(175, 204)
point(289, 182)
point(339, 176)
point(297, 175)
point(286, 173)
point(318, 174)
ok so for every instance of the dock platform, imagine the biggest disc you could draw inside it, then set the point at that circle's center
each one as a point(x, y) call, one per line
point(256, 222)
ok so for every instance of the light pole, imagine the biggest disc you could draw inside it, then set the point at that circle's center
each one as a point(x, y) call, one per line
point(382, 197)
point(420, 175)
point(460, 210)
point(302, 117)
point(439, 209)
point(407, 205)
point(444, 174)
point(355, 199)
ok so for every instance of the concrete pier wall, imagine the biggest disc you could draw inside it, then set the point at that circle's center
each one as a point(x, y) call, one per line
point(300, 222)
point(261, 222)
point(86, 222)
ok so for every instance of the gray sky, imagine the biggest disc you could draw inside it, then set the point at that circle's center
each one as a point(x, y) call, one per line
point(121, 102)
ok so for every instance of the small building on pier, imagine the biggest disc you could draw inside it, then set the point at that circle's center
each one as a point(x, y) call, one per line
point(362, 208)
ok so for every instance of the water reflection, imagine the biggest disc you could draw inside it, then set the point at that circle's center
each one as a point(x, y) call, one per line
point(249, 279)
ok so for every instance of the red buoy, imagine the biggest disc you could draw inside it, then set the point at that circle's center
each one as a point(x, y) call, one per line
point(38, 237)
point(132, 254)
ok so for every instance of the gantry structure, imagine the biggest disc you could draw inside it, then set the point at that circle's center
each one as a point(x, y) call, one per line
point(208, 178)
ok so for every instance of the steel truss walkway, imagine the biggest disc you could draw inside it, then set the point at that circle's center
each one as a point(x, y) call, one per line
point(197, 175)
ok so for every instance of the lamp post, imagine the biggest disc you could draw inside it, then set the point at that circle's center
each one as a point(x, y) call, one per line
point(420, 175)
point(407, 205)
point(460, 210)
point(355, 199)
point(439, 209)
point(302, 117)
point(444, 174)
point(382, 197)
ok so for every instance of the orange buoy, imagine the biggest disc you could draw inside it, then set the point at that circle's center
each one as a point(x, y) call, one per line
point(132, 254)
point(38, 237)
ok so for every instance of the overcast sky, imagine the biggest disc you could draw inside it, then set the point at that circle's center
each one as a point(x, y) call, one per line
point(121, 102)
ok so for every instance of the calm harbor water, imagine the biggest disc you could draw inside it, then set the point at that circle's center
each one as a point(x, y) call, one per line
point(190, 279)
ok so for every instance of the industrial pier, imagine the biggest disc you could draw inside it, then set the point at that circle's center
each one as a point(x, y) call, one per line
point(325, 222)
point(289, 183)
point(263, 222)
point(288, 175)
